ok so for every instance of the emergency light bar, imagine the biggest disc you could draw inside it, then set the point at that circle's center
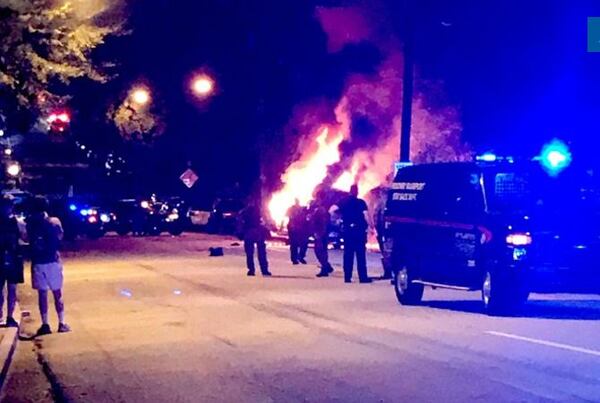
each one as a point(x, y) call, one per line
point(491, 157)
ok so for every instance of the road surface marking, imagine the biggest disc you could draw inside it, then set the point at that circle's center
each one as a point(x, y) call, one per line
point(546, 343)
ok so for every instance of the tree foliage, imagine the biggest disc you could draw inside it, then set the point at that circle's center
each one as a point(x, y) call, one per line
point(48, 43)
point(136, 122)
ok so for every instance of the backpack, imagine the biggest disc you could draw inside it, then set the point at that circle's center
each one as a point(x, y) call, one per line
point(44, 242)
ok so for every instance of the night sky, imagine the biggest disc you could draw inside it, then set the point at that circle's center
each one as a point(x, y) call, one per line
point(518, 71)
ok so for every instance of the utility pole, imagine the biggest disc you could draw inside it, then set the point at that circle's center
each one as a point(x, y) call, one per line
point(407, 84)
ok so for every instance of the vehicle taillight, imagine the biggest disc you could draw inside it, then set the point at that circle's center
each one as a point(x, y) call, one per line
point(519, 239)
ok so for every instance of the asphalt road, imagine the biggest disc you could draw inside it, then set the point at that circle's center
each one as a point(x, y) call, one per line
point(158, 320)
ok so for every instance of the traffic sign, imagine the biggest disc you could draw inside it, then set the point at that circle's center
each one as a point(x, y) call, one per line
point(189, 178)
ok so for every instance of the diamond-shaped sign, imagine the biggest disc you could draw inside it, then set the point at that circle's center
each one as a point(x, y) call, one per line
point(189, 178)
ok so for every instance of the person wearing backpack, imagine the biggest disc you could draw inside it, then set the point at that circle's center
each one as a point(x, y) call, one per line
point(11, 261)
point(45, 235)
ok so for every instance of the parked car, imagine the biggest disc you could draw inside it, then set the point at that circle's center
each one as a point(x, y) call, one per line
point(224, 216)
point(81, 217)
point(124, 211)
point(150, 216)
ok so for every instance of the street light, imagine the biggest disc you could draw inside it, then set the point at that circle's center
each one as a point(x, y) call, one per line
point(140, 96)
point(13, 169)
point(8, 152)
point(203, 85)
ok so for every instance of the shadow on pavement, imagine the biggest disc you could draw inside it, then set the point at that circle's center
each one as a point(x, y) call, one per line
point(587, 309)
point(292, 277)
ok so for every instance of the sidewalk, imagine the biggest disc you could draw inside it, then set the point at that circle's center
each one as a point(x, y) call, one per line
point(8, 343)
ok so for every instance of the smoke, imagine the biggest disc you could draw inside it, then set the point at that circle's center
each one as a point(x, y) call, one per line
point(104, 13)
point(356, 138)
point(370, 106)
point(85, 9)
point(344, 26)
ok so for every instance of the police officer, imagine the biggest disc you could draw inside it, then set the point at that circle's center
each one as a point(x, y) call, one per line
point(355, 225)
point(254, 233)
point(379, 219)
point(297, 232)
point(320, 220)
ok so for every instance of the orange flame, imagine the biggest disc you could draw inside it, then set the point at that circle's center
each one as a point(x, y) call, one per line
point(304, 175)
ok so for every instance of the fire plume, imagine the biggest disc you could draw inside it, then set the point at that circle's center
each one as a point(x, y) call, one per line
point(363, 142)
point(303, 176)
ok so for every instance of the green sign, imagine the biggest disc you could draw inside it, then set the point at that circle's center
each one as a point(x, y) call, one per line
point(593, 34)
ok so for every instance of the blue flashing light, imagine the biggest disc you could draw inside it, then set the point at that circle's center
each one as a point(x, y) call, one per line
point(487, 157)
point(555, 157)
point(83, 212)
point(72, 207)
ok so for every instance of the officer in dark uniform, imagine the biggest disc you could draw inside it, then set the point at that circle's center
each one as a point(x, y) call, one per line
point(11, 262)
point(297, 232)
point(254, 233)
point(379, 219)
point(355, 225)
point(320, 220)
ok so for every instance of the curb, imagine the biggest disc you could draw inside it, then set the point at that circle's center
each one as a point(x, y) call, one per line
point(8, 344)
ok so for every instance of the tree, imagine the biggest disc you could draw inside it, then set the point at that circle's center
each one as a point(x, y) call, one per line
point(136, 122)
point(45, 45)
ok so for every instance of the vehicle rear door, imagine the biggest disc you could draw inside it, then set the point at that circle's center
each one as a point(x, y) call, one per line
point(454, 207)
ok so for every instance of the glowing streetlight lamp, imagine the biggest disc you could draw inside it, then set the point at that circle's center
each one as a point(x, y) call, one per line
point(140, 96)
point(13, 169)
point(8, 152)
point(203, 85)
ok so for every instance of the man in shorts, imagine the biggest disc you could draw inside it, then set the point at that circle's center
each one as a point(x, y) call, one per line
point(44, 234)
point(11, 261)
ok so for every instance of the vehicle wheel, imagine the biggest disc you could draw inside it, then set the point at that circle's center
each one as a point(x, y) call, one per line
point(211, 227)
point(123, 231)
point(154, 231)
point(502, 295)
point(95, 234)
point(407, 292)
point(176, 230)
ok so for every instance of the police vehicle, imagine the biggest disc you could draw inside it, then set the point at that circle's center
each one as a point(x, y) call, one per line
point(496, 226)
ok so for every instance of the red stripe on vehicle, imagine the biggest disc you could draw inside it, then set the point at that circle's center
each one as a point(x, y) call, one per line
point(443, 224)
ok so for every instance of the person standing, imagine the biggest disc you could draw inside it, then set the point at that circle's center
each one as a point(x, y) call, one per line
point(11, 261)
point(297, 232)
point(254, 234)
point(320, 221)
point(379, 219)
point(45, 234)
point(355, 226)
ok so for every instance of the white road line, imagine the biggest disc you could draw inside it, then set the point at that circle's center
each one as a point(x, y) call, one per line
point(546, 343)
